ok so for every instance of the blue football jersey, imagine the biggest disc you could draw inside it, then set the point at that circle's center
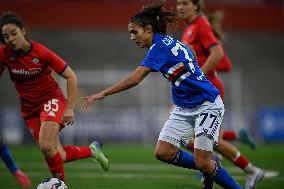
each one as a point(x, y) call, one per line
point(190, 87)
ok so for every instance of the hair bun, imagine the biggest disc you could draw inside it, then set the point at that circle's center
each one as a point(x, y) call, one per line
point(9, 14)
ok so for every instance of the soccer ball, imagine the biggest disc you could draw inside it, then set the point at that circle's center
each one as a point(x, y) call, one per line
point(52, 183)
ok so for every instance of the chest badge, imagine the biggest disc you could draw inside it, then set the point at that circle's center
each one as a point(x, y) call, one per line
point(189, 33)
point(35, 60)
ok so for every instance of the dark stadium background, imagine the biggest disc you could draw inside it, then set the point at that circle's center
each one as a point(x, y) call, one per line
point(92, 36)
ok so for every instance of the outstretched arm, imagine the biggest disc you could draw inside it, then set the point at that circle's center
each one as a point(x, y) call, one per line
point(130, 81)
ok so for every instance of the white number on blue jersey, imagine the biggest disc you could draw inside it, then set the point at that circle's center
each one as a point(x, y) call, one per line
point(175, 52)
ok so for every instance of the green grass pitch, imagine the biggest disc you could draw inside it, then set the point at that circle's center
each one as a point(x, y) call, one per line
point(134, 167)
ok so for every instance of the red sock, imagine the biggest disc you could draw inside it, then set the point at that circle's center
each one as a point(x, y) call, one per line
point(56, 166)
point(229, 135)
point(190, 146)
point(77, 152)
point(241, 161)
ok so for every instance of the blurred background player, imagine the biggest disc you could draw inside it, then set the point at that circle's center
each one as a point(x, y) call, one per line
point(225, 65)
point(7, 158)
point(43, 105)
point(210, 53)
point(194, 96)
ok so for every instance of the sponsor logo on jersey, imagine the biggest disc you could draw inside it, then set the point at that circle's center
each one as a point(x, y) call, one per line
point(33, 71)
point(35, 60)
point(189, 33)
point(52, 114)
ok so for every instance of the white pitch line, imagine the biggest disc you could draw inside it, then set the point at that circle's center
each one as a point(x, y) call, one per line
point(136, 166)
point(109, 175)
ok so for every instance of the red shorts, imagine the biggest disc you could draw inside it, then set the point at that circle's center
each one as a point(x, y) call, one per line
point(52, 110)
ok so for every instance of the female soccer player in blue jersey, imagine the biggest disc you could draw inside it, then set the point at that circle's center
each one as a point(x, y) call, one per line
point(198, 107)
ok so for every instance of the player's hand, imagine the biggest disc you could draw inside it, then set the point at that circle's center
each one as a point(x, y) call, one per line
point(90, 100)
point(68, 117)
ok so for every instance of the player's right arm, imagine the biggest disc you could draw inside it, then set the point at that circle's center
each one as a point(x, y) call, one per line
point(130, 81)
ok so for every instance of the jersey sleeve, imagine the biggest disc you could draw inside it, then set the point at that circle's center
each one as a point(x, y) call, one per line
point(207, 37)
point(155, 59)
point(55, 62)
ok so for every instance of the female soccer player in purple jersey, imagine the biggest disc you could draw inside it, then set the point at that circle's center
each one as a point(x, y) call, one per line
point(198, 106)
point(43, 105)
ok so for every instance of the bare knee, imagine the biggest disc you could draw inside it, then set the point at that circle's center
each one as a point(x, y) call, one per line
point(163, 155)
point(47, 148)
point(165, 152)
point(48, 137)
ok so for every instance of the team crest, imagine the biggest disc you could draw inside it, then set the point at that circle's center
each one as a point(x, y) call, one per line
point(35, 60)
point(51, 113)
point(189, 33)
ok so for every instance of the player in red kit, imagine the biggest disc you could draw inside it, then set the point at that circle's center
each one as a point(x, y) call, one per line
point(44, 108)
point(200, 36)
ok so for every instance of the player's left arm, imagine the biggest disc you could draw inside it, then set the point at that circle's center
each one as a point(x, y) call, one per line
point(61, 68)
point(130, 81)
point(211, 44)
point(225, 64)
point(71, 78)
point(213, 59)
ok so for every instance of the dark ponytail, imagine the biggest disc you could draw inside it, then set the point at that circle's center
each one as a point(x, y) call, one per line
point(215, 20)
point(157, 16)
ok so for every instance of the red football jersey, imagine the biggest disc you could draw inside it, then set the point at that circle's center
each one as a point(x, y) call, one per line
point(31, 74)
point(200, 36)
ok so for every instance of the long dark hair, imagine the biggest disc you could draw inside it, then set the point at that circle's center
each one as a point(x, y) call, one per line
point(11, 18)
point(199, 4)
point(157, 16)
point(214, 19)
